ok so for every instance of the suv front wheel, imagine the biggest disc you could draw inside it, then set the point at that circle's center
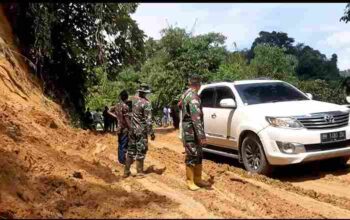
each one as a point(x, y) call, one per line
point(253, 156)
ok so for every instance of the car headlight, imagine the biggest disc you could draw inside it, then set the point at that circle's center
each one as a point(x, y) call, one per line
point(284, 122)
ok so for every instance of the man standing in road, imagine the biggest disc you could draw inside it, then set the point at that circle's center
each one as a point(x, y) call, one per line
point(141, 126)
point(165, 117)
point(106, 120)
point(193, 135)
point(88, 119)
point(121, 112)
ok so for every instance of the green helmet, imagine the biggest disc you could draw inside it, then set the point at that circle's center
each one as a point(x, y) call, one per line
point(144, 88)
point(195, 79)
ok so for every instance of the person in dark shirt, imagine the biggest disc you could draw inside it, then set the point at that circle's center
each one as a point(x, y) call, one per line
point(88, 119)
point(106, 120)
point(121, 112)
point(175, 114)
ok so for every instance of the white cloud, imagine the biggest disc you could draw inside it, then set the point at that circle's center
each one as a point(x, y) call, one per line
point(344, 58)
point(238, 22)
point(339, 42)
point(316, 25)
point(321, 28)
point(339, 39)
point(153, 17)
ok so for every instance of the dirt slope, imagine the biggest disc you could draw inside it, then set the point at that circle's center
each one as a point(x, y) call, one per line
point(51, 170)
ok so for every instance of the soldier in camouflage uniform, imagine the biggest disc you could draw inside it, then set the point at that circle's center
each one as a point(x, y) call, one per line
point(193, 135)
point(141, 126)
point(121, 112)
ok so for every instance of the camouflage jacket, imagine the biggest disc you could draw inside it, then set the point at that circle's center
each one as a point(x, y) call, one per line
point(121, 110)
point(141, 116)
point(192, 115)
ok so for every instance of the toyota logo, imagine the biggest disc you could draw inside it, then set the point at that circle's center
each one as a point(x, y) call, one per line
point(329, 118)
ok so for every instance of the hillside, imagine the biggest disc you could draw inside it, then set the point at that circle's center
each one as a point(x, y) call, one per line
point(50, 170)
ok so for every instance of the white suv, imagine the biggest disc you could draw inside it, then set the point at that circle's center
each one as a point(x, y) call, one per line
point(269, 122)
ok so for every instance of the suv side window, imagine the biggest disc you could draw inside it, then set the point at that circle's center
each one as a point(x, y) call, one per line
point(223, 92)
point(207, 97)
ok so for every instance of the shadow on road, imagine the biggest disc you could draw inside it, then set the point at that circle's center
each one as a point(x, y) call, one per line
point(292, 173)
point(221, 159)
point(164, 130)
point(309, 171)
point(151, 169)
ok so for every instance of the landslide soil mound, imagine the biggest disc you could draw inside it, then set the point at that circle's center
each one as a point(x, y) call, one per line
point(42, 169)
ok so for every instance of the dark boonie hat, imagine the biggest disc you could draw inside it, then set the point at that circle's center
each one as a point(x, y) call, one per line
point(195, 79)
point(144, 88)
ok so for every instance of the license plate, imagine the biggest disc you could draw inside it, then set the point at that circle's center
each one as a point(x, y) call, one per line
point(333, 136)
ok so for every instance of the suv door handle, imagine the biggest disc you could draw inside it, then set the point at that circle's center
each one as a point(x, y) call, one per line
point(213, 115)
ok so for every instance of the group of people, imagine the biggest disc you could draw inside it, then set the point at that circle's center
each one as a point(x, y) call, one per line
point(134, 118)
point(93, 119)
point(167, 119)
point(170, 116)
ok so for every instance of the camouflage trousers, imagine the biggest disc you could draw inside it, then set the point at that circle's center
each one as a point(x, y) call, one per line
point(138, 145)
point(193, 150)
point(194, 154)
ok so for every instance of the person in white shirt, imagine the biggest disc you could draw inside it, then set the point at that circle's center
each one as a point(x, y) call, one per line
point(170, 119)
point(165, 117)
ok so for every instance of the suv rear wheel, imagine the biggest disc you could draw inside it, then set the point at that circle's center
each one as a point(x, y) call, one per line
point(253, 156)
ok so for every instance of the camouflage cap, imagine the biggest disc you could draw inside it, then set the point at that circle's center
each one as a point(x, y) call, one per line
point(195, 79)
point(144, 88)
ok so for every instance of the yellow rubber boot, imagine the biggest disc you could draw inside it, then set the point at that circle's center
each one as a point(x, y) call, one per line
point(139, 169)
point(127, 166)
point(198, 176)
point(190, 178)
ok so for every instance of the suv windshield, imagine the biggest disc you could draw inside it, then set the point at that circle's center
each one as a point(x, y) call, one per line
point(259, 93)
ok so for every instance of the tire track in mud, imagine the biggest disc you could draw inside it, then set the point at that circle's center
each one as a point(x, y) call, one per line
point(187, 203)
point(328, 187)
point(338, 201)
point(323, 179)
point(214, 201)
point(324, 209)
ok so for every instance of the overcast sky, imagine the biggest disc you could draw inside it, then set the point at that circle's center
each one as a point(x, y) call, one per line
point(313, 24)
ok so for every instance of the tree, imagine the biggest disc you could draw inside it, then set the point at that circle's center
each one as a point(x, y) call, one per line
point(278, 39)
point(315, 65)
point(175, 57)
point(105, 92)
point(272, 62)
point(67, 41)
point(311, 63)
point(346, 16)
point(235, 67)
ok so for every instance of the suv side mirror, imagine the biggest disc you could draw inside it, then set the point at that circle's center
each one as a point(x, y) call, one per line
point(228, 103)
point(348, 99)
point(309, 95)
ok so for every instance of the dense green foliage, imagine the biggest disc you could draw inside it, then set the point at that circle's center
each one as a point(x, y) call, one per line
point(178, 55)
point(311, 63)
point(68, 44)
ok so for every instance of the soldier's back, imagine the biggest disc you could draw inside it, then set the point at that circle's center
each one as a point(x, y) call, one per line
point(187, 97)
point(138, 119)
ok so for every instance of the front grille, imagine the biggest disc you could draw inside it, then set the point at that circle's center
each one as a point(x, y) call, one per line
point(326, 146)
point(319, 120)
